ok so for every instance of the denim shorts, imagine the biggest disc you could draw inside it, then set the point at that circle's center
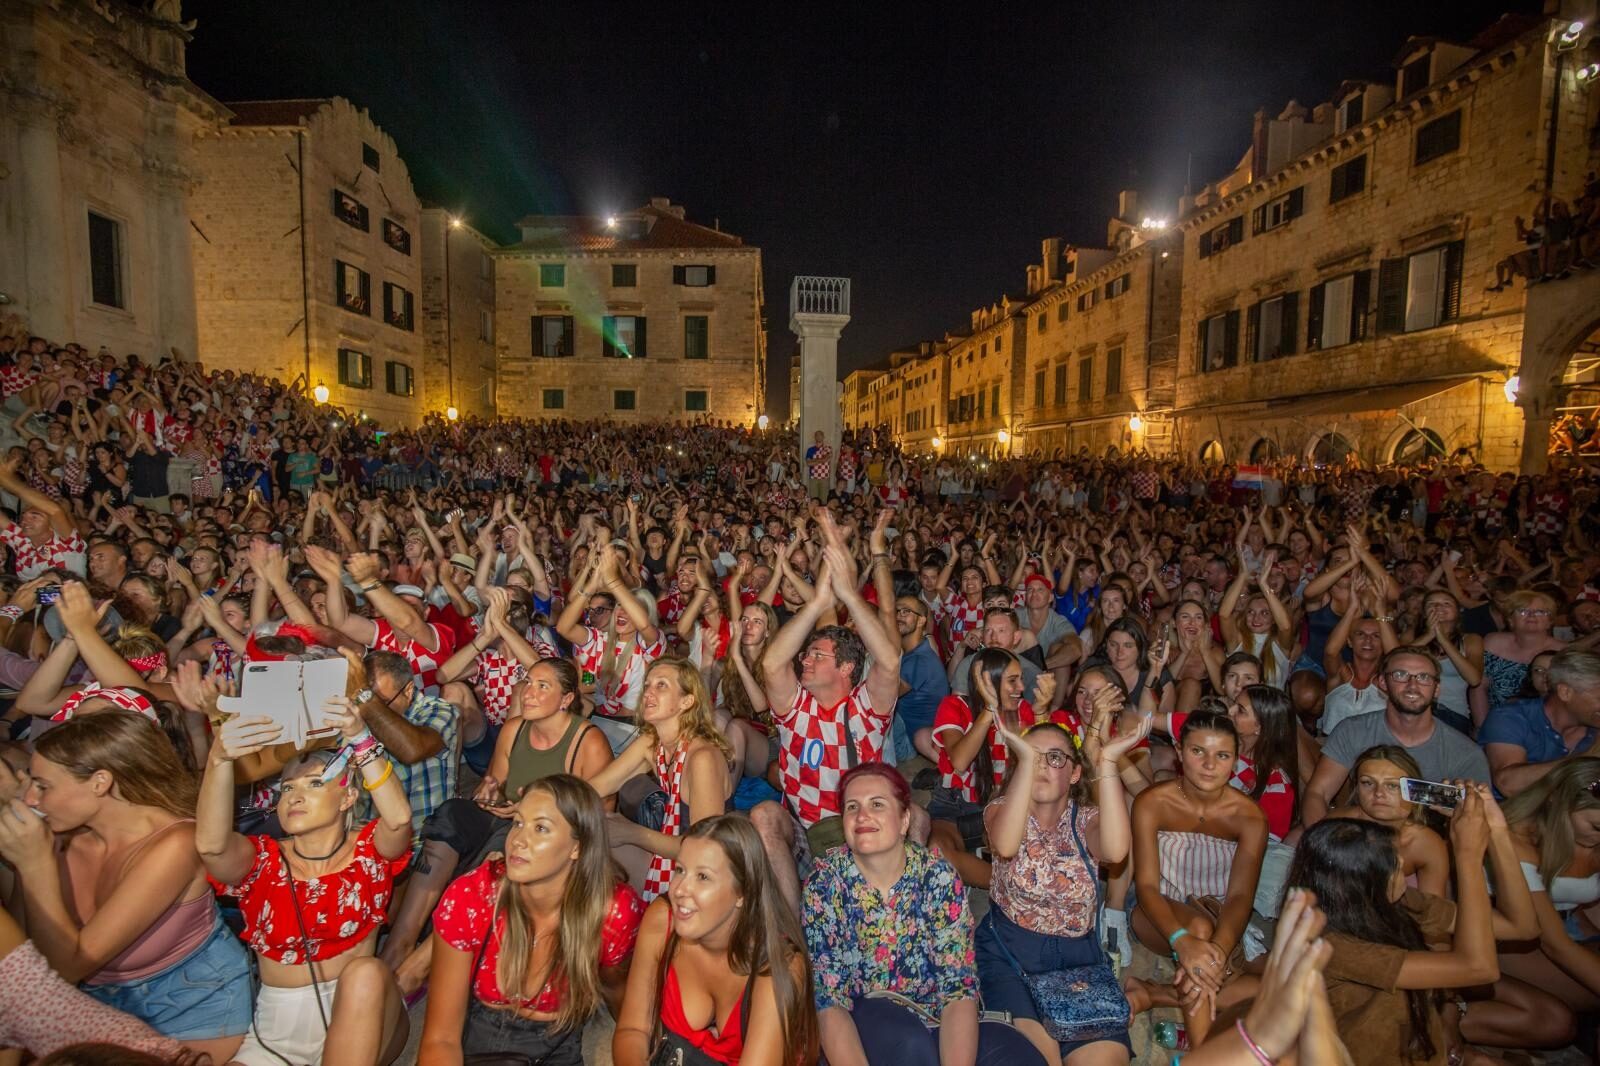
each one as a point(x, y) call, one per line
point(205, 995)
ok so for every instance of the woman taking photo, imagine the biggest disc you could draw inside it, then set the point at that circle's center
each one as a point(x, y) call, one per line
point(1197, 848)
point(1424, 856)
point(527, 946)
point(720, 968)
point(891, 942)
point(1050, 831)
point(115, 894)
point(680, 746)
point(313, 902)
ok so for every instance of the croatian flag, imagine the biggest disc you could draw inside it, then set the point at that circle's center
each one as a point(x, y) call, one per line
point(1247, 477)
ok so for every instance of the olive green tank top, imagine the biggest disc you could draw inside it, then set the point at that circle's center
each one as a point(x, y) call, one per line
point(527, 764)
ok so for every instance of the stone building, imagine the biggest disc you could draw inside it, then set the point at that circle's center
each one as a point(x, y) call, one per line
point(308, 259)
point(459, 366)
point(643, 315)
point(97, 124)
point(981, 380)
point(858, 405)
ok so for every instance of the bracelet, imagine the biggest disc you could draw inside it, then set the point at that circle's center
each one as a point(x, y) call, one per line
point(1172, 941)
point(373, 786)
point(371, 754)
point(370, 586)
point(360, 740)
point(11, 612)
point(1255, 1049)
point(364, 696)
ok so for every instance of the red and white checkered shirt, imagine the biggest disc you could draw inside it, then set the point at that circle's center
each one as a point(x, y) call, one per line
point(623, 696)
point(847, 464)
point(669, 773)
point(1146, 485)
point(819, 461)
point(670, 607)
point(811, 749)
point(14, 379)
point(956, 713)
point(496, 680)
point(1549, 513)
point(424, 663)
point(30, 559)
point(958, 614)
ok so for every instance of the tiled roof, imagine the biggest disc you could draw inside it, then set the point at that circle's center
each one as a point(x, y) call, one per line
point(274, 112)
point(590, 233)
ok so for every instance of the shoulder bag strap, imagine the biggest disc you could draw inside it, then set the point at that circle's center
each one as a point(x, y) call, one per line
point(1089, 864)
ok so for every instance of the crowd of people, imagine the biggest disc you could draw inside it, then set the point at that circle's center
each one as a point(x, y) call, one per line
point(774, 755)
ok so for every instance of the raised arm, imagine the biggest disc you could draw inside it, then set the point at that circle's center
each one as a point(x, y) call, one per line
point(60, 520)
point(778, 663)
point(398, 613)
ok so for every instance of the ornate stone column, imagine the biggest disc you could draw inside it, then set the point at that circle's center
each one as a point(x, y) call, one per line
point(819, 309)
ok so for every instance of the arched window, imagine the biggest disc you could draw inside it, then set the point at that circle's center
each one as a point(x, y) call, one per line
point(1418, 445)
point(1263, 449)
point(1211, 453)
point(1331, 448)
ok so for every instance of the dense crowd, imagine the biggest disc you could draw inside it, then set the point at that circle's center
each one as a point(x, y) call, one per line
point(310, 719)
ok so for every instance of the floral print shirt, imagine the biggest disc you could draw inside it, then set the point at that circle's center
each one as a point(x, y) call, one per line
point(915, 940)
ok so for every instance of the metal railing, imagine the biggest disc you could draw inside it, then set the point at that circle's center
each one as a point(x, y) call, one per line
point(810, 294)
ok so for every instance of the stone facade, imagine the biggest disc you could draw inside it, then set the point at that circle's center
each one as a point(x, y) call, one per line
point(570, 298)
point(460, 367)
point(97, 124)
point(308, 255)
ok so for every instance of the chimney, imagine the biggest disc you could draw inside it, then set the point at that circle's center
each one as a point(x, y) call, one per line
point(1128, 205)
point(1051, 254)
point(1034, 272)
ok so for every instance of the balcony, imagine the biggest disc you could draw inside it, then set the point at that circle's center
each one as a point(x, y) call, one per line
point(810, 294)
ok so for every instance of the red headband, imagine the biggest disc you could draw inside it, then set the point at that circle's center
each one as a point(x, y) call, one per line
point(148, 664)
point(125, 698)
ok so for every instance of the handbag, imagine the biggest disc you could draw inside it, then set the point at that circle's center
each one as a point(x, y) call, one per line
point(1079, 1003)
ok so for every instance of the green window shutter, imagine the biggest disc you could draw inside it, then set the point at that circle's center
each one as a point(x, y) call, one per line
point(1289, 330)
point(1452, 281)
point(1231, 345)
point(1252, 330)
point(1314, 319)
point(1392, 275)
point(569, 342)
point(679, 275)
point(1297, 201)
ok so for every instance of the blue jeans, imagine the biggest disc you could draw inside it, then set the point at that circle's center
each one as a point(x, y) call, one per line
point(893, 1035)
point(205, 995)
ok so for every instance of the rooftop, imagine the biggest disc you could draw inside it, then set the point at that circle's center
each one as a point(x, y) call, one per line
point(275, 112)
point(656, 226)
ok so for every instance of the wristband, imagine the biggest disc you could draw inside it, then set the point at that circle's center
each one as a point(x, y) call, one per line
point(373, 786)
point(1172, 941)
point(370, 586)
point(11, 612)
point(1255, 1049)
point(364, 696)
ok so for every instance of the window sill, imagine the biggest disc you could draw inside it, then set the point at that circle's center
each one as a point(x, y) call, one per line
point(110, 310)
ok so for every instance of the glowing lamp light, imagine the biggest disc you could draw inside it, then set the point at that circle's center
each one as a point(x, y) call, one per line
point(451, 413)
point(1513, 386)
point(455, 222)
point(320, 393)
point(763, 422)
point(1588, 74)
point(938, 442)
point(1154, 223)
point(1002, 436)
point(1569, 36)
point(611, 222)
point(1135, 423)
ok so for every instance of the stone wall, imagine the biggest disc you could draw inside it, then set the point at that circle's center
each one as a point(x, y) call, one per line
point(470, 351)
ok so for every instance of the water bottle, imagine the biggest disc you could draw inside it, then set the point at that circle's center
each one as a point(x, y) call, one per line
point(1174, 1036)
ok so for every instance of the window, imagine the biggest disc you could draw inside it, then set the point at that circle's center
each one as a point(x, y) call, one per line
point(695, 277)
point(105, 261)
point(1088, 299)
point(624, 275)
point(1043, 320)
point(552, 275)
point(1418, 445)
point(1061, 311)
point(1348, 179)
point(353, 288)
point(1351, 112)
point(999, 343)
point(1414, 75)
point(1117, 286)
point(552, 337)
point(555, 399)
point(1439, 137)
point(485, 266)
point(369, 156)
point(1211, 453)
point(694, 399)
point(1276, 212)
point(983, 350)
point(1272, 326)
point(696, 337)
point(1114, 371)
point(623, 337)
point(994, 402)
point(1085, 378)
point(355, 369)
point(1336, 312)
point(485, 325)
point(1061, 383)
point(1038, 388)
point(349, 210)
point(397, 379)
point(396, 306)
point(396, 236)
point(1421, 290)
point(1220, 238)
point(1264, 449)
point(1219, 341)
point(624, 400)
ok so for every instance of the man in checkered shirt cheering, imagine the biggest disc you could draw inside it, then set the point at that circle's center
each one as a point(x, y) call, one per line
point(831, 716)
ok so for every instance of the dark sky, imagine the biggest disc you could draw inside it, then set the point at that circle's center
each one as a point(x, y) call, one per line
point(923, 155)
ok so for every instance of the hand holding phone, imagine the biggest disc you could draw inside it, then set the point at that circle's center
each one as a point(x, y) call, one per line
point(1430, 793)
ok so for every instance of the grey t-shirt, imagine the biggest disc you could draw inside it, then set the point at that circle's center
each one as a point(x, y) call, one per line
point(1443, 756)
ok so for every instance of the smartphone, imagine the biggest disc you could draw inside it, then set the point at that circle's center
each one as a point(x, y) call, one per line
point(1429, 793)
point(48, 594)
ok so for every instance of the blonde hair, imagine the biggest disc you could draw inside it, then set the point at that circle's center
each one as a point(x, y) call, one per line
point(698, 722)
point(1527, 598)
point(613, 661)
point(1548, 805)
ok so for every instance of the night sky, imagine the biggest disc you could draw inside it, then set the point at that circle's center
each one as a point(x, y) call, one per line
point(923, 155)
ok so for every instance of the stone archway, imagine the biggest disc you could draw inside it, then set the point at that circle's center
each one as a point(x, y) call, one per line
point(1558, 318)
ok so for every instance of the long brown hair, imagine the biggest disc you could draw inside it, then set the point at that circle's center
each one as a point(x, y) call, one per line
point(767, 939)
point(698, 722)
point(133, 750)
point(1548, 804)
point(591, 884)
point(730, 686)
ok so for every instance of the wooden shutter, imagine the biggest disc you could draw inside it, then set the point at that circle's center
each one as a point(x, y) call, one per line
point(1236, 230)
point(1230, 355)
point(711, 275)
point(1336, 184)
point(1258, 219)
point(679, 275)
point(640, 349)
point(1297, 202)
point(1360, 297)
point(1314, 319)
point(538, 335)
point(608, 334)
point(388, 377)
point(568, 339)
point(1252, 331)
point(1452, 282)
point(366, 371)
point(1200, 362)
point(1392, 275)
point(1290, 323)
point(1205, 244)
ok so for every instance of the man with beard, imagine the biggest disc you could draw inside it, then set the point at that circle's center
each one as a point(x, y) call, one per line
point(1409, 679)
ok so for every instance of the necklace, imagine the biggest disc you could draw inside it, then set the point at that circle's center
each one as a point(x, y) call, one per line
point(343, 837)
point(1197, 803)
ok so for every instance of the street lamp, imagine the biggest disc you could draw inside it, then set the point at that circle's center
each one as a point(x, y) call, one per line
point(1513, 386)
point(449, 338)
point(451, 413)
point(1135, 423)
point(1002, 436)
point(937, 442)
point(763, 422)
point(320, 393)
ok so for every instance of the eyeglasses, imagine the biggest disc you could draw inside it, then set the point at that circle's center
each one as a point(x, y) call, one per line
point(1533, 612)
point(813, 655)
point(1421, 677)
point(1055, 758)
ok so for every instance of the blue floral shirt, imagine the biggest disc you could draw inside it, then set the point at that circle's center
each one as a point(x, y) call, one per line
point(915, 940)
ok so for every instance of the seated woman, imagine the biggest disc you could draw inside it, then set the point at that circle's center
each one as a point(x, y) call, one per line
point(1424, 856)
point(1506, 655)
point(679, 745)
point(1196, 662)
point(1197, 847)
point(528, 945)
point(972, 756)
point(1395, 949)
point(1266, 764)
point(313, 902)
point(615, 645)
point(891, 942)
point(549, 737)
point(1258, 622)
point(1050, 830)
point(115, 894)
point(740, 691)
point(721, 962)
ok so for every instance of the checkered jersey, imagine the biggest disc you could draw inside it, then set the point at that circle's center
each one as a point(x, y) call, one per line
point(955, 713)
point(497, 678)
point(958, 614)
point(424, 663)
point(811, 748)
point(30, 559)
point(1549, 513)
point(819, 461)
point(15, 378)
point(623, 696)
point(670, 608)
point(1146, 484)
